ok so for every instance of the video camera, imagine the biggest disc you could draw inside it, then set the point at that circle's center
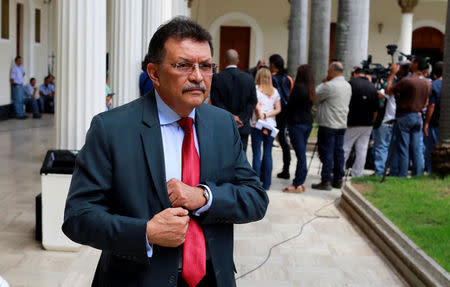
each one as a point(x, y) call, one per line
point(377, 71)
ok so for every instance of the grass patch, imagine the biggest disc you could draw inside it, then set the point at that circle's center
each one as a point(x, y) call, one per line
point(418, 206)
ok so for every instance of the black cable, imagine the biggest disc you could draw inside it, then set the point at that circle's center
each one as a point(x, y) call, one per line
point(316, 216)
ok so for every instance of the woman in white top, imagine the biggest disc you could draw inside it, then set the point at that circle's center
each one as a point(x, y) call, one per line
point(267, 108)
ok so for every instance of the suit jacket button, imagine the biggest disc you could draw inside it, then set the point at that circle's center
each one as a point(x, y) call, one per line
point(172, 279)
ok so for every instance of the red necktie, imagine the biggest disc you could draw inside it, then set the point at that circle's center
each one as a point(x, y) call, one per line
point(194, 249)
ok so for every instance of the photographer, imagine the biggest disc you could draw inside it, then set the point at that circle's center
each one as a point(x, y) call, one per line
point(411, 95)
point(363, 111)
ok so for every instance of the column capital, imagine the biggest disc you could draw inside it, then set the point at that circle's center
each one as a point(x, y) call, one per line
point(407, 5)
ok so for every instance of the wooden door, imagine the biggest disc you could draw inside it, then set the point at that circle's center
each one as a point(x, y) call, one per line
point(238, 38)
point(332, 41)
point(428, 42)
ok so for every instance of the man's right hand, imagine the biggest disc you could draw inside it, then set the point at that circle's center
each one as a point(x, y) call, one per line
point(238, 121)
point(395, 68)
point(168, 228)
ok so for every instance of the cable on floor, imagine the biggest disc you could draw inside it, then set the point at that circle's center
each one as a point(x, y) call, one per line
point(316, 216)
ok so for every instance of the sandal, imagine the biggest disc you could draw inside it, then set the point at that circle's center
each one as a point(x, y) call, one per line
point(293, 189)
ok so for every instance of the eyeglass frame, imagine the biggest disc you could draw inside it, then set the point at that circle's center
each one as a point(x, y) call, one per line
point(191, 67)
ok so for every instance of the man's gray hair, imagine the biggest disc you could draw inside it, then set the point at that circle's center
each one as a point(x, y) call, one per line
point(337, 67)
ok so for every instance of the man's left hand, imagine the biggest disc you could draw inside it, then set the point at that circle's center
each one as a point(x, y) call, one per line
point(183, 195)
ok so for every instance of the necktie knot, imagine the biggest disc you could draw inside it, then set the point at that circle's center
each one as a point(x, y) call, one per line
point(186, 124)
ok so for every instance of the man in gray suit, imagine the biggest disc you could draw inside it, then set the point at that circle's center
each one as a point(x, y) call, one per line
point(163, 172)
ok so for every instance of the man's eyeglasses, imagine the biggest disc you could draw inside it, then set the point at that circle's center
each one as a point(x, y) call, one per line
point(187, 68)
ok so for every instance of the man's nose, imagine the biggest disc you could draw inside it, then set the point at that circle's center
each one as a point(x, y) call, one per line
point(196, 76)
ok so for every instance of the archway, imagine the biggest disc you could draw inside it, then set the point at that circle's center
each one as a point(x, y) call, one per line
point(428, 42)
point(256, 39)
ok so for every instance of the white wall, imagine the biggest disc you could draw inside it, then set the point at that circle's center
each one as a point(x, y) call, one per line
point(35, 57)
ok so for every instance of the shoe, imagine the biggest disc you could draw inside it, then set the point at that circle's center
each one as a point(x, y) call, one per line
point(323, 185)
point(337, 183)
point(293, 189)
point(37, 116)
point(22, 117)
point(284, 174)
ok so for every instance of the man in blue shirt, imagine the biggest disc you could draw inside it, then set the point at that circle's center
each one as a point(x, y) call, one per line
point(47, 93)
point(145, 83)
point(31, 97)
point(16, 80)
point(431, 123)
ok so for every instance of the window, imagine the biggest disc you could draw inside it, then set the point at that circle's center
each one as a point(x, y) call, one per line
point(5, 19)
point(37, 26)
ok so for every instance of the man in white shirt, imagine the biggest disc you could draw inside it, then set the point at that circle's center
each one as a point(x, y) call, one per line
point(31, 97)
point(333, 98)
point(16, 79)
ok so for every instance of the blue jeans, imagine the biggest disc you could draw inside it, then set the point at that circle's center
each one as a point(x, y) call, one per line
point(299, 135)
point(34, 105)
point(257, 137)
point(331, 152)
point(381, 140)
point(49, 103)
point(406, 135)
point(429, 142)
point(18, 96)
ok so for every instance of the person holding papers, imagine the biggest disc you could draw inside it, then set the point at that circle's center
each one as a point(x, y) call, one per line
point(263, 124)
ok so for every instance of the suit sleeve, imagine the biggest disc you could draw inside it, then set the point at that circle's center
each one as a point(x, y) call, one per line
point(88, 218)
point(216, 96)
point(241, 200)
point(247, 113)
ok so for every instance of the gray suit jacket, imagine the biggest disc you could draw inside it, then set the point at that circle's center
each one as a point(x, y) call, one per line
point(119, 184)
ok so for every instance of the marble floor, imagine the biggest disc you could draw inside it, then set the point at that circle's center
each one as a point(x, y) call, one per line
point(330, 251)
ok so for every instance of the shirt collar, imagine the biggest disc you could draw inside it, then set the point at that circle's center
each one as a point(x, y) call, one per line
point(166, 115)
point(230, 66)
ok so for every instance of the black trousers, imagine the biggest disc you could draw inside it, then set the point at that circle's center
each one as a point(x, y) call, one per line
point(208, 281)
point(282, 125)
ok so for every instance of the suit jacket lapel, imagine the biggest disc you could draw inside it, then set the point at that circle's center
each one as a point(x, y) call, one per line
point(153, 147)
point(205, 142)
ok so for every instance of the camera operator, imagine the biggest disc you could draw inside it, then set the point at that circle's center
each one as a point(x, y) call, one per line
point(382, 130)
point(363, 111)
point(411, 95)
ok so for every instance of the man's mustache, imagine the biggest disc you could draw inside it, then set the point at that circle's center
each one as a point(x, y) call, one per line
point(194, 86)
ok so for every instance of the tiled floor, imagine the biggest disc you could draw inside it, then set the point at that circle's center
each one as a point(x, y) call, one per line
point(329, 252)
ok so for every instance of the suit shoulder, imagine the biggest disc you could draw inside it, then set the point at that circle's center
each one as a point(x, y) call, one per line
point(122, 115)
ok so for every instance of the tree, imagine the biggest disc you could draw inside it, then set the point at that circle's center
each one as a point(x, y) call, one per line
point(319, 37)
point(298, 25)
point(440, 160)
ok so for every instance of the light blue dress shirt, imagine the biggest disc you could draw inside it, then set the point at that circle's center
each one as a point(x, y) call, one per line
point(17, 73)
point(46, 90)
point(29, 90)
point(172, 138)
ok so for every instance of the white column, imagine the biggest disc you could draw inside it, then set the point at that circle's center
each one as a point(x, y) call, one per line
point(405, 41)
point(359, 34)
point(80, 69)
point(126, 50)
point(166, 10)
point(298, 26)
point(151, 20)
point(180, 8)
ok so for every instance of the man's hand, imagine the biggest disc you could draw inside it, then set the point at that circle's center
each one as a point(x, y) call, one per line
point(183, 195)
point(238, 121)
point(395, 68)
point(168, 228)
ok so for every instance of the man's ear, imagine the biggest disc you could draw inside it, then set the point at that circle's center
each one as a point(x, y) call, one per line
point(152, 71)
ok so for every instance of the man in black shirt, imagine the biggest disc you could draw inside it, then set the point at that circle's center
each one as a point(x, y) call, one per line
point(363, 109)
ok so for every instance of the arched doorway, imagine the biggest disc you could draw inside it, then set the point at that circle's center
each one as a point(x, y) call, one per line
point(428, 42)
